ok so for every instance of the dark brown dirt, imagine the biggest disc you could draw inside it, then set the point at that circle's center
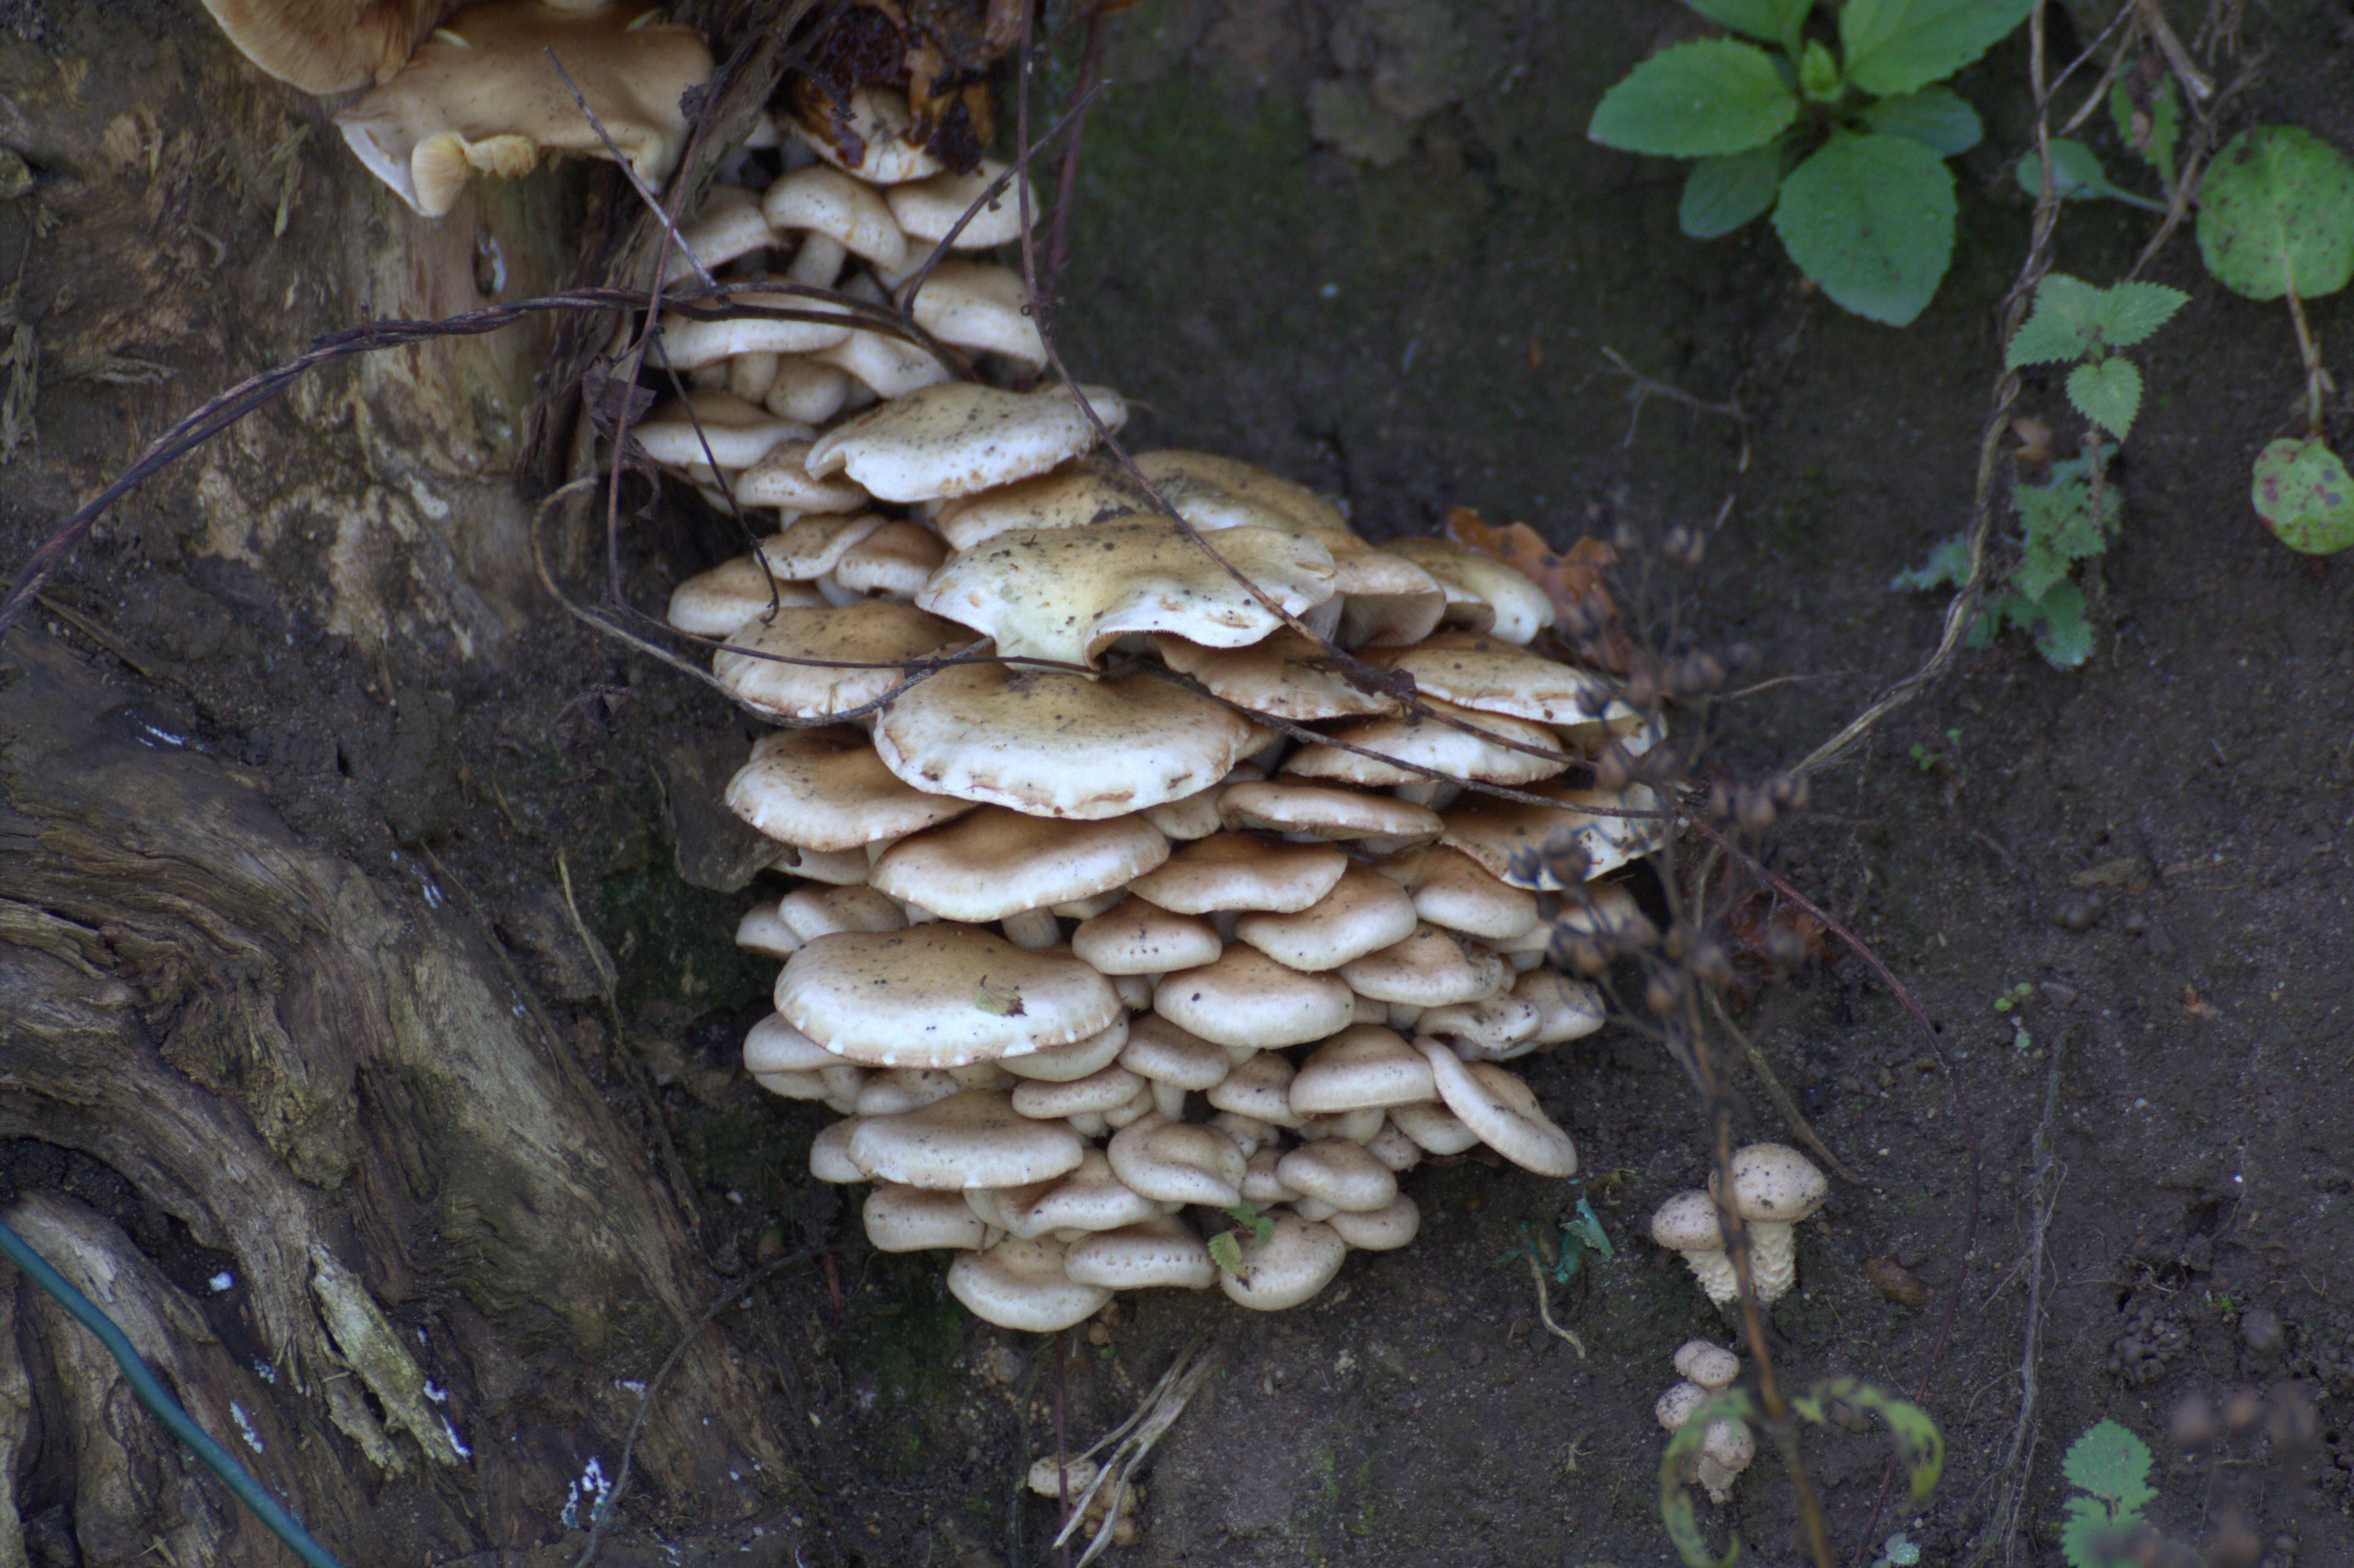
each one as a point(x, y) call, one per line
point(2156, 845)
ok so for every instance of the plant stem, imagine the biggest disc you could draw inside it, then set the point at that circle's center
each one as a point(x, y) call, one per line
point(2316, 379)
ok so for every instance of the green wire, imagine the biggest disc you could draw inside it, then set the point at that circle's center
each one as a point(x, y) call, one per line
point(152, 1394)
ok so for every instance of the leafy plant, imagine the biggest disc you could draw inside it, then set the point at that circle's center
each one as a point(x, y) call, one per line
point(1582, 1236)
point(1899, 1551)
point(2064, 520)
point(2075, 322)
point(2276, 221)
point(1226, 1247)
point(2110, 1466)
point(1849, 149)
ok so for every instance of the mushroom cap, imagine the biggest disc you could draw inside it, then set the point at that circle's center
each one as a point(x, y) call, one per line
point(717, 602)
point(939, 995)
point(1517, 607)
point(895, 1090)
point(1320, 812)
point(1338, 1172)
point(1385, 1229)
point(992, 863)
point(1159, 1050)
point(811, 546)
point(1088, 1198)
point(1067, 594)
point(1137, 936)
point(1298, 1259)
point(1364, 1064)
point(1107, 1088)
point(1431, 968)
point(980, 308)
point(1452, 890)
point(773, 1046)
point(1408, 749)
point(956, 437)
point(1508, 838)
point(927, 209)
point(326, 45)
point(1245, 997)
point(1775, 1183)
point(1712, 1366)
point(761, 931)
point(971, 1138)
point(1493, 1028)
point(825, 789)
point(813, 912)
point(780, 478)
point(1688, 1222)
point(1213, 493)
point(815, 664)
point(1285, 675)
point(1489, 674)
point(1062, 1064)
point(895, 560)
point(1566, 1009)
point(829, 1155)
point(823, 200)
point(1257, 1087)
point(727, 225)
point(484, 77)
point(692, 342)
point(1178, 1162)
point(1020, 1284)
point(1678, 1404)
point(872, 137)
point(1364, 913)
point(1072, 494)
point(1160, 1251)
point(714, 427)
point(1501, 1109)
point(900, 1218)
point(885, 366)
point(1432, 1128)
point(1056, 745)
point(1233, 871)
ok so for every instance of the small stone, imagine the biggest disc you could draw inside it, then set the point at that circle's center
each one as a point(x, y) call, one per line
point(2059, 993)
point(2074, 915)
point(2260, 1329)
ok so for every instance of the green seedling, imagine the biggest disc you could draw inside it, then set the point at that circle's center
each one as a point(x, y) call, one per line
point(2077, 175)
point(1226, 1247)
point(2063, 522)
point(2012, 1001)
point(2077, 325)
point(1847, 147)
point(2109, 1467)
point(2276, 222)
point(1899, 1551)
point(1582, 1236)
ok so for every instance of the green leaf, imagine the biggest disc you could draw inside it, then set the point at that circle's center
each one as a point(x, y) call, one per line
point(2091, 1538)
point(2108, 1461)
point(1722, 193)
point(1897, 46)
point(2305, 497)
point(1226, 1250)
point(2276, 212)
point(2153, 131)
point(2128, 312)
point(1695, 101)
point(2076, 175)
point(1937, 119)
point(2062, 326)
point(1870, 219)
point(1767, 21)
point(2062, 635)
point(1948, 566)
point(2108, 394)
point(1819, 75)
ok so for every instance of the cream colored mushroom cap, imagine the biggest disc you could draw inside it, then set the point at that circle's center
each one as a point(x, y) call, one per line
point(826, 790)
point(981, 308)
point(1020, 1284)
point(815, 664)
point(1364, 1064)
point(829, 1155)
point(1057, 745)
point(1407, 750)
point(1688, 1222)
point(1339, 1172)
point(1431, 968)
point(928, 208)
point(1159, 1050)
point(992, 863)
point(1138, 937)
point(1214, 493)
point(969, 1138)
point(939, 995)
point(780, 478)
point(1775, 1183)
point(895, 561)
point(690, 341)
point(1245, 997)
point(1178, 1162)
point(1259, 1088)
point(1679, 1404)
point(1712, 1366)
point(1433, 1128)
point(960, 437)
point(1488, 673)
point(1520, 608)
point(1062, 1064)
point(1326, 812)
point(1160, 1251)
point(1497, 833)
point(1497, 1106)
point(1566, 1009)
point(1065, 594)
point(326, 47)
point(1493, 1028)
point(1075, 493)
point(1452, 890)
point(727, 225)
point(1364, 913)
point(712, 426)
point(1298, 1259)
point(1088, 1198)
point(1385, 1229)
point(716, 603)
point(900, 1218)
point(1284, 675)
point(851, 213)
point(1107, 1088)
point(1233, 871)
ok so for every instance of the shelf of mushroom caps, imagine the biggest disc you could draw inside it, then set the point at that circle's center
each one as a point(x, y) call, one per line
point(1077, 944)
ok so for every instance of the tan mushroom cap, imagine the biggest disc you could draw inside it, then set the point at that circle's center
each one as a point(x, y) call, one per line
point(1775, 1183)
point(773, 1046)
point(1161, 1051)
point(780, 478)
point(971, 1138)
point(1339, 1172)
point(1160, 1251)
point(1075, 494)
point(710, 425)
point(729, 224)
point(1061, 1063)
point(1233, 871)
point(1385, 1229)
point(1214, 492)
point(992, 863)
point(1089, 1198)
point(939, 995)
point(1452, 890)
point(1518, 608)
point(1245, 997)
point(716, 603)
point(1497, 1106)
point(1429, 969)
point(1105, 1088)
point(815, 664)
point(690, 341)
point(1020, 1284)
point(895, 560)
point(1679, 1404)
point(1178, 1162)
point(927, 209)
point(1298, 1259)
point(829, 1155)
point(956, 437)
point(1491, 674)
point(1710, 1366)
point(814, 912)
point(826, 790)
point(1686, 1224)
point(1364, 1066)
point(1364, 913)
point(1259, 1089)
point(1407, 749)
point(981, 308)
point(872, 138)
point(1194, 816)
point(1067, 594)
point(1493, 1029)
point(1057, 745)
point(901, 1218)
point(1566, 1009)
point(1496, 834)
point(895, 1090)
point(812, 546)
point(1285, 675)
point(1324, 813)
point(1433, 1128)
point(1138, 937)
point(481, 93)
point(853, 214)
point(326, 45)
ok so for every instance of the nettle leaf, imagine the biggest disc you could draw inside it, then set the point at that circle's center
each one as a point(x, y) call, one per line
point(2303, 493)
point(2064, 323)
point(1870, 219)
point(2062, 635)
point(1226, 1250)
point(2089, 1536)
point(1721, 194)
point(1938, 119)
point(1948, 566)
point(2112, 1464)
point(2276, 212)
point(1696, 100)
point(2108, 394)
point(1895, 46)
point(2128, 312)
point(1768, 21)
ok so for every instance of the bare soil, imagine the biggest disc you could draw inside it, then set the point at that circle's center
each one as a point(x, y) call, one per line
point(1402, 296)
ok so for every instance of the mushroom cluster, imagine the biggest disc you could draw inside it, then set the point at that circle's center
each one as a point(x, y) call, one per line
point(1728, 1446)
point(1774, 1187)
point(1127, 874)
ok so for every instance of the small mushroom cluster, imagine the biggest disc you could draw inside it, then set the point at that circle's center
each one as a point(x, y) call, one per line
point(1774, 1187)
point(1082, 931)
point(1728, 1446)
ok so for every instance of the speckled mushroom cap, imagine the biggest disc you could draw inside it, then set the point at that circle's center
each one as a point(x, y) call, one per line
point(1285, 675)
point(1138, 937)
point(1517, 607)
point(1233, 871)
point(1067, 594)
point(1298, 1259)
point(971, 1138)
point(1686, 1224)
point(1057, 745)
point(1409, 749)
point(825, 789)
point(1710, 1366)
point(1489, 674)
point(1679, 1404)
point(782, 477)
point(1020, 1283)
point(1245, 997)
point(815, 664)
point(1364, 913)
point(1160, 1251)
point(1775, 1183)
point(958, 436)
point(1082, 492)
point(939, 995)
point(1497, 833)
point(992, 863)
point(927, 209)
point(1501, 1109)
point(1364, 1064)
